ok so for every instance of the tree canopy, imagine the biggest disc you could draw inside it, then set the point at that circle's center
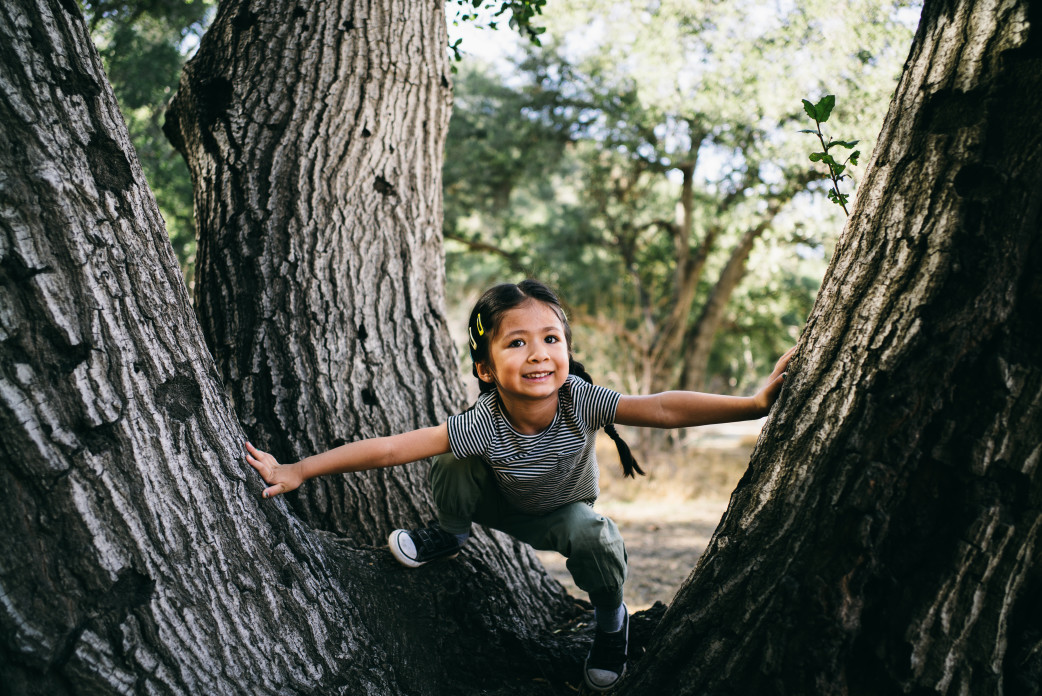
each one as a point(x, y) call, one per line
point(645, 154)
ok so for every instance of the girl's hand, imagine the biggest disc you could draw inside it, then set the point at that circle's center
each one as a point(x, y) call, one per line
point(766, 397)
point(280, 478)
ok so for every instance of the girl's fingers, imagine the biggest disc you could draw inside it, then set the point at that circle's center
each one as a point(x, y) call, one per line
point(783, 361)
point(266, 466)
point(257, 454)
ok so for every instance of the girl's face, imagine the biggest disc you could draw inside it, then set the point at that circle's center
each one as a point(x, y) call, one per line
point(528, 354)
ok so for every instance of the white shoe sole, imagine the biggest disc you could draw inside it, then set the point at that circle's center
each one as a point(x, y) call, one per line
point(397, 551)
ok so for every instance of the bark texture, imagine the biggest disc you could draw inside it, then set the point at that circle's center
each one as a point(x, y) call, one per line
point(886, 536)
point(137, 555)
point(314, 134)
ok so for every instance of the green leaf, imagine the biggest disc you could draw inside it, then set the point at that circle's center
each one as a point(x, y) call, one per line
point(817, 156)
point(854, 157)
point(824, 107)
point(809, 130)
point(811, 110)
point(838, 198)
point(837, 169)
point(849, 144)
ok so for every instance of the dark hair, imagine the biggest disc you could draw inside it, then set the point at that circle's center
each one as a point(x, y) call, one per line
point(484, 319)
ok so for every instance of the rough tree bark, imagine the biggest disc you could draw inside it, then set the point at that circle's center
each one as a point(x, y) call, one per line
point(314, 134)
point(136, 553)
point(886, 536)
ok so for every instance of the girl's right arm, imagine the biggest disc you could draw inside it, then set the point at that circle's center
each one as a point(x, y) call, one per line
point(374, 453)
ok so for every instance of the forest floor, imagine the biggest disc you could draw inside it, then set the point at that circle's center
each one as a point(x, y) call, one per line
point(667, 517)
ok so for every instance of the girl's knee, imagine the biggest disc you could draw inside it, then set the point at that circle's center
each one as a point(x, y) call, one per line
point(597, 535)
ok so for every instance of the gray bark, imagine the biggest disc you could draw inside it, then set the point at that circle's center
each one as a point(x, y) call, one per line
point(314, 134)
point(886, 536)
point(137, 554)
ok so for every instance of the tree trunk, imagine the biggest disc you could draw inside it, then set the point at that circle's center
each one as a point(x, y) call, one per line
point(885, 538)
point(138, 555)
point(314, 134)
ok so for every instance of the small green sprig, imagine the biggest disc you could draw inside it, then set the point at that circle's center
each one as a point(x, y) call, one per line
point(820, 112)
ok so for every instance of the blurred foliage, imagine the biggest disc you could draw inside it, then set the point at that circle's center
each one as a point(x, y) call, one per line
point(521, 15)
point(643, 134)
point(143, 46)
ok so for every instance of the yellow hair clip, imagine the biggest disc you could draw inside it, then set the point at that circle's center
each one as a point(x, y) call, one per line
point(481, 329)
point(473, 343)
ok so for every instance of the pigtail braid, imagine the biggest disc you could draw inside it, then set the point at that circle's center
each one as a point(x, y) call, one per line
point(629, 463)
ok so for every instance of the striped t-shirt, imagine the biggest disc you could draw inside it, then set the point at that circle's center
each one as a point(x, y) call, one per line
point(539, 473)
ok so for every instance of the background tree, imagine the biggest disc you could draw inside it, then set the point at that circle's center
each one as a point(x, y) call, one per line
point(886, 536)
point(143, 45)
point(318, 275)
point(683, 157)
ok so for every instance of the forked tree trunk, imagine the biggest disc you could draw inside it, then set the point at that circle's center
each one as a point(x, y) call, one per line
point(137, 555)
point(885, 539)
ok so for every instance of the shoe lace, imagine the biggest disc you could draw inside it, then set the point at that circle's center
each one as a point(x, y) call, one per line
point(433, 537)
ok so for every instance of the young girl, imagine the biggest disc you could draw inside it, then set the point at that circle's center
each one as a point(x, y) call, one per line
point(522, 459)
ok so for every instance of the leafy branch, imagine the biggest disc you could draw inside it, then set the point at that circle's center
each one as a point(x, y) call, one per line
point(521, 12)
point(820, 112)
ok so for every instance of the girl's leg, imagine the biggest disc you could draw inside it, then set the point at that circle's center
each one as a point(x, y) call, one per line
point(590, 541)
point(464, 491)
point(458, 487)
point(597, 561)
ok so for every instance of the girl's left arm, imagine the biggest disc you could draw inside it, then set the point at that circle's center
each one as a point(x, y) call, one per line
point(684, 409)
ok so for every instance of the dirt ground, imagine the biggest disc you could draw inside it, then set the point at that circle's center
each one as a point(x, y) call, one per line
point(667, 517)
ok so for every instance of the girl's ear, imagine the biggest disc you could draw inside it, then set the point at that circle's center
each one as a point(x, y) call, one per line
point(484, 373)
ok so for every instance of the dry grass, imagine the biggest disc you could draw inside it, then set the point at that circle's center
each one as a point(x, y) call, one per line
point(698, 471)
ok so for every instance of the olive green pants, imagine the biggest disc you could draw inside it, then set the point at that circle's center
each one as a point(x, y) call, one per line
point(465, 491)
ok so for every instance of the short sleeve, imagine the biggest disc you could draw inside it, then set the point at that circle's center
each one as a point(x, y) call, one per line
point(594, 405)
point(470, 431)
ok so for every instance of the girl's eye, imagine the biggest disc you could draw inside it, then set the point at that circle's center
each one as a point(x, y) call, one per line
point(552, 339)
point(516, 343)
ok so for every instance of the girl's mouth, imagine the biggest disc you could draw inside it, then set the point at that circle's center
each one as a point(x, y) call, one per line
point(537, 375)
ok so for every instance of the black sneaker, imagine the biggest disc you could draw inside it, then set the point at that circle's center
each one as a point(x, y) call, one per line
point(415, 547)
point(606, 662)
